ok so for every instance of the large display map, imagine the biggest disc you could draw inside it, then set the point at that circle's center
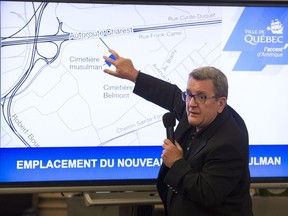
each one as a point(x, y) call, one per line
point(53, 89)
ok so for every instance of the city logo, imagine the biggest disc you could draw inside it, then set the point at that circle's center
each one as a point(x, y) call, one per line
point(262, 40)
point(273, 34)
point(276, 27)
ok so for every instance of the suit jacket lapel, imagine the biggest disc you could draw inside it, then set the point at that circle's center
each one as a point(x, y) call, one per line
point(182, 127)
point(199, 146)
point(209, 132)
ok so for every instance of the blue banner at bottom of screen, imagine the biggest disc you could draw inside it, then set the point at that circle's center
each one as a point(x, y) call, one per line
point(114, 163)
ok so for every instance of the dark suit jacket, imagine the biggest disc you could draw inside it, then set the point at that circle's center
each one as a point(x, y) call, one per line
point(214, 179)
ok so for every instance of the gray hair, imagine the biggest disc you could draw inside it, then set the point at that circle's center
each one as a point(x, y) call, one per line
point(217, 76)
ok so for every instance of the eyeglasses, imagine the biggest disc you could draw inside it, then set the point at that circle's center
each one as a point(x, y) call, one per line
point(198, 98)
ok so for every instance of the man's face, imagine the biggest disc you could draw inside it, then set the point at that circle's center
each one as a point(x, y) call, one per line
point(201, 115)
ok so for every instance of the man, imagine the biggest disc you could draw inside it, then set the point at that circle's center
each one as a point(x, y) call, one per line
point(206, 172)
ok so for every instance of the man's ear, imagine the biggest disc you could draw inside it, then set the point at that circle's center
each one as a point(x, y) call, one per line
point(222, 101)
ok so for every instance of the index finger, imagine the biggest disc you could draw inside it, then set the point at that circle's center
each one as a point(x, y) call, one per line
point(167, 143)
point(109, 59)
point(114, 53)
